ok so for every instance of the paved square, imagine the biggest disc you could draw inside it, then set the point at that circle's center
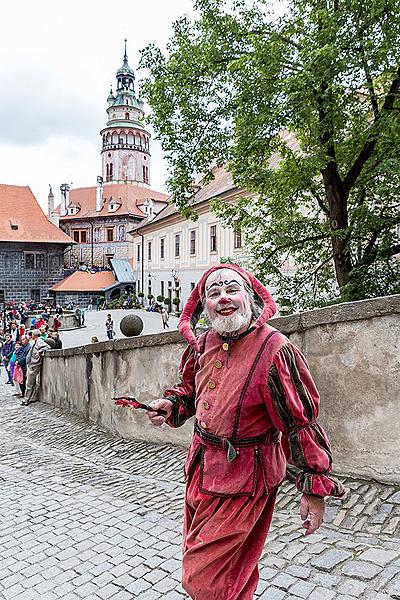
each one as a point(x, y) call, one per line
point(84, 515)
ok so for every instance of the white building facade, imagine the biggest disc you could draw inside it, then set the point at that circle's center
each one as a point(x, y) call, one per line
point(171, 252)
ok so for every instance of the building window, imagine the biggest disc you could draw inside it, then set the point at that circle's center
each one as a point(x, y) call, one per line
point(29, 261)
point(110, 234)
point(138, 252)
point(177, 245)
point(192, 286)
point(162, 248)
point(145, 174)
point(193, 242)
point(35, 295)
point(162, 288)
point(96, 236)
point(237, 239)
point(80, 236)
point(127, 116)
point(213, 238)
point(40, 261)
point(148, 250)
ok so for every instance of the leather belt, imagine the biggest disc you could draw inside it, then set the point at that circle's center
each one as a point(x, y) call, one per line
point(269, 437)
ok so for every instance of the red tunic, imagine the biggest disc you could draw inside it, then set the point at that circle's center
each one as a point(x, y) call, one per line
point(256, 407)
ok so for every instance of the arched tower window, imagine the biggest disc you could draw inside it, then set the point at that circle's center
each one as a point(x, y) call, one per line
point(127, 115)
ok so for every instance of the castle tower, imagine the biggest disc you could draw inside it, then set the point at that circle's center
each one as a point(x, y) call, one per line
point(125, 150)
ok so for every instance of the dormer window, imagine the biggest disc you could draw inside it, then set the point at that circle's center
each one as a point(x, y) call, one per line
point(126, 115)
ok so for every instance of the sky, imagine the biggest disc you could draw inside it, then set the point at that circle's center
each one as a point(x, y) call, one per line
point(58, 60)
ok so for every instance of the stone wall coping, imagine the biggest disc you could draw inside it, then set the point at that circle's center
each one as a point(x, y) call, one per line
point(347, 311)
point(337, 313)
point(153, 339)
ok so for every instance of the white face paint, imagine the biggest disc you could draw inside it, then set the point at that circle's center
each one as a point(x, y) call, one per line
point(227, 302)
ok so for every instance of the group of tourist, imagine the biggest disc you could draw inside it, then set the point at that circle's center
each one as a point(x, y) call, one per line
point(23, 341)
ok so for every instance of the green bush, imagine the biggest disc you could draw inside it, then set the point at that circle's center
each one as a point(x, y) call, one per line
point(150, 296)
point(176, 301)
point(160, 298)
point(141, 294)
point(167, 301)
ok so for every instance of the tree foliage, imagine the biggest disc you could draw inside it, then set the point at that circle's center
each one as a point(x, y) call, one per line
point(304, 111)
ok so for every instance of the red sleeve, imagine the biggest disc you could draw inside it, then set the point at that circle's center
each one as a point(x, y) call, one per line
point(183, 394)
point(293, 403)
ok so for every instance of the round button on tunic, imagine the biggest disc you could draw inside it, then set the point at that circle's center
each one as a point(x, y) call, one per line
point(211, 384)
point(225, 346)
point(218, 364)
point(203, 425)
point(206, 405)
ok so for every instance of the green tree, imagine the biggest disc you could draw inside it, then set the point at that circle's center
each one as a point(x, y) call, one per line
point(304, 111)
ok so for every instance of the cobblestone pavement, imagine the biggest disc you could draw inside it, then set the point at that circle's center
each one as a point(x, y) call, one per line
point(84, 515)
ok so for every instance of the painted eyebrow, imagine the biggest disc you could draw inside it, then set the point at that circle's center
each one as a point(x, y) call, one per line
point(221, 283)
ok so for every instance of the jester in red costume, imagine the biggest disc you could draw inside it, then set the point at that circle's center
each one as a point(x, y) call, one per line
point(255, 407)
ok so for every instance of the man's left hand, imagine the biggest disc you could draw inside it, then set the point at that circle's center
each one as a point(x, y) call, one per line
point(312, 511)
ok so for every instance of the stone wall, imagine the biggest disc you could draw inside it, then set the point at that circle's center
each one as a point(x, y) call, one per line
point(353, 351)
point(20, 283)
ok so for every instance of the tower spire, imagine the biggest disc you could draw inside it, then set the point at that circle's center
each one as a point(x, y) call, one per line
point(125, 55)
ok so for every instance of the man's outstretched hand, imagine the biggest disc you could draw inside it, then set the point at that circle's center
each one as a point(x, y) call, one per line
point(160, 404)
point(312, 511)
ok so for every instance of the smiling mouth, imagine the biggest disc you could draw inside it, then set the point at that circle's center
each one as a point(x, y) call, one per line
point(225, 312)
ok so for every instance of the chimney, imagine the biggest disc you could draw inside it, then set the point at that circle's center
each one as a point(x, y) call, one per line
point(99, 194)
point(50, 201)
point(64, 187)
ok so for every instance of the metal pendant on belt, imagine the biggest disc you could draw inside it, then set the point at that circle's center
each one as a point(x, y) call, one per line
point(231, 453)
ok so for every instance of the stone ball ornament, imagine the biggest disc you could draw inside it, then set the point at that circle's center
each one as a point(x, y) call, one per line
point(131, 325)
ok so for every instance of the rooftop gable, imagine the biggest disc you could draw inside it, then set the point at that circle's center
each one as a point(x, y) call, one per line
point(22, 219)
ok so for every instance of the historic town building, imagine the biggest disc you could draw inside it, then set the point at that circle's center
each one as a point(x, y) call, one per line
point(31, 247)
point(172, 252)
point(97, 218)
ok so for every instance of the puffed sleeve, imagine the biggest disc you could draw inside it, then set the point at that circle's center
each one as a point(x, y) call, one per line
point(293, 403)
point(183, 395)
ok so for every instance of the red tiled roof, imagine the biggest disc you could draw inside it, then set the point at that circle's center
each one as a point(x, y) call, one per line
point(83, 281)
point(128, 195)
point(222, 183)
point(22, 219)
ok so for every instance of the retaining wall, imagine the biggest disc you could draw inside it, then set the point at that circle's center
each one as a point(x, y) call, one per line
point(353, 350)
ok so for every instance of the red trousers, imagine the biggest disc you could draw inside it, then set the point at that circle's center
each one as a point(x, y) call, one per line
point(222, 541)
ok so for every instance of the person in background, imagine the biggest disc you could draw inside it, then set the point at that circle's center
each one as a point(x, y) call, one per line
point(14, 332)
point(57, 341)
point(43, 331)
point(56, 323)
point(94, 339)
point(34, 361)
point(7, 351)
point(21, 357)
point(109, 327)
point(164, 317)
point(16, 370)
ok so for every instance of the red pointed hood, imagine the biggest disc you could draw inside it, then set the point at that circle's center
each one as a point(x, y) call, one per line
point(194, 305)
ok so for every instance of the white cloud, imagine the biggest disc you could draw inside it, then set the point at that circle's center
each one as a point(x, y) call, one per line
point(58, 61)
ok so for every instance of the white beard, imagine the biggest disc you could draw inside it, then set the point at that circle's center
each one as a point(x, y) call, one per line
point(233, 322)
